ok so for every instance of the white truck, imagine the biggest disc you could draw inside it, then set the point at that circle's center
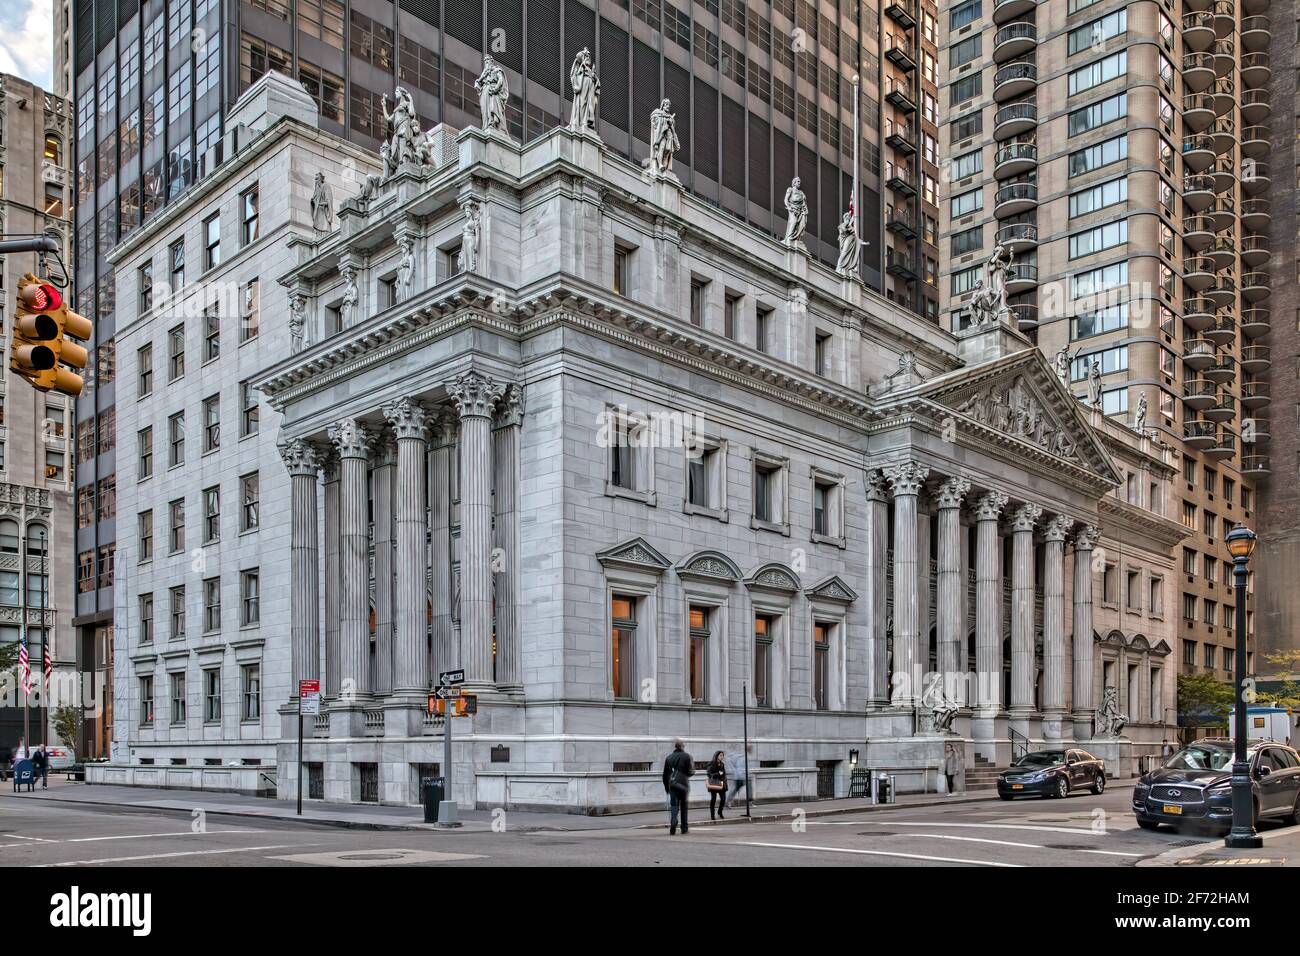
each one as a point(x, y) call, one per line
point(1268, 723)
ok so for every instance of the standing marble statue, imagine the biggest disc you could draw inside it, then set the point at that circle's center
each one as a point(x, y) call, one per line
point(351, 295)
point(1094, 384)
point(850, 248)
point(1061, 364)
point(322, 205)
point(493, 94)
point(586, 93)
point(403, 129)
point(1140, 416)
point(663, 139)
point(989, 303)
point(796, 212)
point(297, 321)
point(405, 267)
point(469, 236)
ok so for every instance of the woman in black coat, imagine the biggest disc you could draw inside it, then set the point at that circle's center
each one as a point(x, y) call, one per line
point(716, 781)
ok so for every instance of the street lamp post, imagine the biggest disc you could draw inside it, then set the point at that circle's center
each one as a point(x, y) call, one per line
point(1242, 836)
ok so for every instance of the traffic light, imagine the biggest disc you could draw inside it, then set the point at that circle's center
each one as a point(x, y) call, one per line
point(40, 347)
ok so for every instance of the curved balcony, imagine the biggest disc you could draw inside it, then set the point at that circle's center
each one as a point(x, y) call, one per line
point(1255, 394)
point(1255, 250)
point(1019, 236)
point(1198, 273)
point(1256, 106)
point(1224, 370)
point(1256, 32)
point(1014, 159)
point(1256, 70)
point(1198, 191)
point(1198, 111)
point(1198, 354)
point(1247, 6)
point(1224, 410)
point(1015, 198)
point(1198, 313)
point(1223, 293)
point(1013, 80)
point(1254, 142)
point(1224, 330)
point(1026, 315)
point(1014, 40)
point(1225, 56)
point(1256, 425)
point(1223, 252)
point(1198, 152)
point(1198, 30)
point(1256, 286)
point(1198, 71)
point(1198, 232)
point(1224, 444)
point(1255, 177)
point(1225, 175)
point(1200, 394)
point(1199, 434)
point(1223, 212)
point(1256, 358)
point(1256, 466)
point(1225, 134)
point(1256, 321)
point(1225, 95)
point(1005, 11)
point(1256, 214)
point(1225, 17)
point(1022, 277)
point(1014, 119)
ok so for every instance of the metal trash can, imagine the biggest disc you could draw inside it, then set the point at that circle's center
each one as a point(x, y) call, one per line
point(884, 793)
point(431, 791)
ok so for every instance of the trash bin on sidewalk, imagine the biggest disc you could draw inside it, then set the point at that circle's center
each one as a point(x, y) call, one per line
point(431, 792)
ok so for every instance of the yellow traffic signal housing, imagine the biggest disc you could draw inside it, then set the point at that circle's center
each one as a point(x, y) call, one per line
point(40, 349)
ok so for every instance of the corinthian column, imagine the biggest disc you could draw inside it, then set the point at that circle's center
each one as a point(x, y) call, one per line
point(988, 605)
point(1022, 609)
point(1054, 626)
point(906, 480)
point(352, 440)
point(950, 586)
point(302, 462)
point(330, 462)
point(445, 654)
point(505, 458)
point(410, 655)
point(877, 576)
point(382, 471)
point(476, 396)
point(1085, 539)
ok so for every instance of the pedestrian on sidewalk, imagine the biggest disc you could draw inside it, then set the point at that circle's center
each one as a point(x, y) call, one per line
point(951, 767)
point(678, 770)
point(736, 773)
point(716, 783)
point(41, 764)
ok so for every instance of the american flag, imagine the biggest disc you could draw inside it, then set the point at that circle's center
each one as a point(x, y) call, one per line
point(49, 664)
point(25, 663)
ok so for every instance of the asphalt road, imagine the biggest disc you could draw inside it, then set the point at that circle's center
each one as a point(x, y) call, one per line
point(1080, 831)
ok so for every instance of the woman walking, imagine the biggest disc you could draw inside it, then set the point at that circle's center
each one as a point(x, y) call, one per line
point(716, 783)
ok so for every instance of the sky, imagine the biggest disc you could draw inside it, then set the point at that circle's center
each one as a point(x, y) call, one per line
point(27, 41)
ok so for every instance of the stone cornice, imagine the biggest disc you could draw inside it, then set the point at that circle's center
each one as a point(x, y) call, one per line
point(1114, 513)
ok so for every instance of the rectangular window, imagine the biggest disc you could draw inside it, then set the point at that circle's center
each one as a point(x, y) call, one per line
point(178, 698)
point(252, 683)
point(963, 281)
point(762, 327)
point(963, 14)
point(699, 628)
point(211, 242)
point(176, 265)
point(176, 353)
point(146, 618)
point(176, 525)
point(967, 164)
point(211, 514)
point(964, 127)
point(145, 280)
point(211, 333)
point(731, 315)
point(145, 523)
point(144, 443)
point(822, 354)
point(622, 456)
point(821, 661)
point(248, 424)
point(699, 291)
point(212, 423)
point(964, 51)
point(967, 87)
point(968, 240)
point(1100, 71)
point(963, 204)
point(250, 612)
point(212, 604)
point(763, 632)
point(620, 271)
point(1110, 360)
point(144, 361)
point(146, 701)
point(1093, 36)
point(623, 647)
point(1099, 196)
point(176, 596)
point(1098, 114)
point(250, 502)
point(1099, 238)
point(250, 313)
point(176, 440)
point(249, 220)
point(212, 696)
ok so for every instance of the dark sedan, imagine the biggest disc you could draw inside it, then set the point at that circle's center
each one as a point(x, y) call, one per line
point(1194, 787)
point(1053, 773)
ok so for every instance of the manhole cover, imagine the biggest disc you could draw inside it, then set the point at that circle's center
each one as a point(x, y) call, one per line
point(1179, 844)
point(370, 857)
point(1068, 846)
point(876, 833)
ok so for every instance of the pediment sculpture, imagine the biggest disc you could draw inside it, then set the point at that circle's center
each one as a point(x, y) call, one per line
point(1014, 409)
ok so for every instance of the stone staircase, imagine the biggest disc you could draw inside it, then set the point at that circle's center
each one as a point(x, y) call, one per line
point(983, 775)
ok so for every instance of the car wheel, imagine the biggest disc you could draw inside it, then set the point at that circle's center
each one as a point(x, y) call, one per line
point(1148, 825)
point(1062, 787)
point(1292, 818)
point(1099, 784)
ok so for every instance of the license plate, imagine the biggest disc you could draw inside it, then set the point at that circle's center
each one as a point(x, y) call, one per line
point(1174, 810)
point(1017, 786)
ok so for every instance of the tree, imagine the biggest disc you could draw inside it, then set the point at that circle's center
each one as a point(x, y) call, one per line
point(67, 723)
point(1203, 701)
point(1284, 688)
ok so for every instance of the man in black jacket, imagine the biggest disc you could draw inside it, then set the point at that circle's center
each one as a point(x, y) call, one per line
point(678, 768)
point(41, 764)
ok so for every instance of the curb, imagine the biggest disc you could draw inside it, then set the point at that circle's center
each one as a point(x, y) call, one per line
point(1175, 857)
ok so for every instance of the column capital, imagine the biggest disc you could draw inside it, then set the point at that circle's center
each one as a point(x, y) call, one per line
point(475, 394)
point(384, 447)
point(408, 416)
point(1025, 517)
point(1086, 537)
point(906, 478)
point(351, 438)
point(1058, 527)
point(950, 493)
point(988, 506)
point(301, 457)
point(875, 485)
point(510, 410)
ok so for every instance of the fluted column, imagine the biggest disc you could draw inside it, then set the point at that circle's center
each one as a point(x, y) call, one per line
point(382, 475)
point(1085, 539)
point(302, 463)
point(408, 419)
point(1054, 626)
point(988, 603)
point(330, 462)
point(950, 587)
point(445, 655)
point(476, 396)
point(878, 601)
point(505, 540)
point(905, 481)
point(1022, 608)
point(352, 440)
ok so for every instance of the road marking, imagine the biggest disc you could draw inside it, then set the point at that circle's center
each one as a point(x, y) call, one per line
point(170, 856)
point(19, 836)
point(949, 836)
point(904, 856)
point(143, 836)
point(984, 826)
point(1114, 853)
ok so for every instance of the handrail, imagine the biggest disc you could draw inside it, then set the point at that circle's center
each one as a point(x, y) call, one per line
point(1019, 744)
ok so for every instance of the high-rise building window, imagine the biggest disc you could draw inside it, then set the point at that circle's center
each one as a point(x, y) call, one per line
point(248, 410)
point(176, 440)
point(211, 423)
point(144, 445)
point(176, 597)
point(211, 333)
point(211, 514)
point(176, 524)
point(212, 605)
point(211, 242)
point(252, 683)
point(175, 353)
point(250, 502)
point(146, 618)
point(146, 701)
point(146, 536)
point(249, 598)
point(212, 695)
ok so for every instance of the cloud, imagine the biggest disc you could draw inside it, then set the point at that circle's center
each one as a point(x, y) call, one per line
point(27, 43)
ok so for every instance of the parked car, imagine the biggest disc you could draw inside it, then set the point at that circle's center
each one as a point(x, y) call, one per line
point(1053, 773)
point(1194, 786)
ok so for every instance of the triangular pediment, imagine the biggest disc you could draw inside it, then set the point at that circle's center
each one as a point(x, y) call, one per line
point(773, 577)
point(709, 566)
point(834, 589)
point(637, 554)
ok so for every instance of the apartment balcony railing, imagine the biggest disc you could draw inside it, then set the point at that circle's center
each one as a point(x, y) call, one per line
point(1255, 250)
point(900, 95)
point(1256, 466)
point(1225, 17)
point(1199, 394)
point(1256, 105)
point(1014, 159)
point(1254, 142)
point(1222, 371)
point(1015, 198)
point(1026, 315)
point(1256, 286)
point(1014, 79)
point(1255, 394)
point(1005, 11)
point(1198, 30)
point(899, 52)
point(1198, 273)
point(1198, 111)
point(1224, 444)
point(1199, 434)
point(1198, 354)
point(1198, 231)
point(1019, 236)
point(1256, 321)
point(1256, 213)
point(1256, 32)
point(1256, 70)
point(1255, 176)
point(1224, 409)
point(1198, 313)
point(1198, 71)
point(902, 12)
point(1014, 40)
point(1256, 358)
point(1014, 119)
point(1224, 330)
point(1255, 428)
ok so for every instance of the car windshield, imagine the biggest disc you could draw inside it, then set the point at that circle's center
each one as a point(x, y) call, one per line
point(1200, 758)
point(1043, 758)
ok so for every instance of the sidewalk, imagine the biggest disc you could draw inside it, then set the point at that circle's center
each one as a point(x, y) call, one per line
point(370, 817)
point(1281, 848)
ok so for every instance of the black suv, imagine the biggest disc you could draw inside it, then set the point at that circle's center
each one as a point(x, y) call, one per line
point(1195, 785)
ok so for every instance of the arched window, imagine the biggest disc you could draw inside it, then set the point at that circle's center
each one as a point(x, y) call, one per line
point(8, 537)
point(37, 539)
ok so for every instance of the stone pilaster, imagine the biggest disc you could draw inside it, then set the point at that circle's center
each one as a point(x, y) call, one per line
point(1054, 626)
point(905, 481)
point(303, 464)
point(352, 440)
point(951, 587)
point(383, 474)
point(1023, 521)
point(1085, 539)
point(988, 604)
point(330, 463)
point(877, 537)
point(476, 396)
point(505, 540)
point(445, 655)
point(408, 419)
